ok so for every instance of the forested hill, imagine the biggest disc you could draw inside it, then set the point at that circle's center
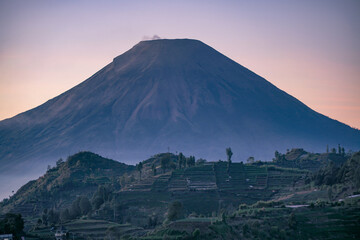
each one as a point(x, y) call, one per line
point(169, 192)
point(80, 174)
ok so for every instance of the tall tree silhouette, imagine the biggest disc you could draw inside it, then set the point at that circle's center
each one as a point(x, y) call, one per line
point(139, 167)
point(229, 154)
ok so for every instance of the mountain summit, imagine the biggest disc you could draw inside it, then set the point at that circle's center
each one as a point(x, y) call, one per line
point(180, 94)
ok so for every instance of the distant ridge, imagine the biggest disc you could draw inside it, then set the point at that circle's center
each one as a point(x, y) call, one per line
point(180, 94)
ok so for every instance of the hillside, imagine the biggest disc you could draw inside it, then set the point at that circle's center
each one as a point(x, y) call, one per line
point(80, 174)
point(179, 93)
point(301, 159)
point(83, 174)
point(99, 198)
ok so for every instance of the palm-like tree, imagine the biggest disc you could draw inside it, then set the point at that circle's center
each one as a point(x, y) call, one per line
point(139, 167)
point(229, 154)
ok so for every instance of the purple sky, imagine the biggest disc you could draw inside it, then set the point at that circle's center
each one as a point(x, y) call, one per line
point(309, 49)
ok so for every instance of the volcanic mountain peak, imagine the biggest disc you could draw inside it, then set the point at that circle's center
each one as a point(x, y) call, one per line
point(169, 49)
point(165, 93)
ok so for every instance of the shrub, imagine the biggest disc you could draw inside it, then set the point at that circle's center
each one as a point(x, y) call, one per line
point(243, 206)
point(12, 223)
point(196, 233)
point(174, 211)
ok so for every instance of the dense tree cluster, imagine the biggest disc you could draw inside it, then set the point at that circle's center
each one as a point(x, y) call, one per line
point(348, 172)
point(190, 161)
point(81, 206)
point(165, 162)
point(102, 195)
point(175, 211)
point(200, 161)
point(181, 160)
point(12, 223)
point(50, 217)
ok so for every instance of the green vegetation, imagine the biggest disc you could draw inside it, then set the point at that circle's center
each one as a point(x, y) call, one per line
point(139, 167)
point(299, 195)
point(181, 160)
point(12, 223)
point(229, 154)
point(347, 173)
point(300, 159)
point(174, 211)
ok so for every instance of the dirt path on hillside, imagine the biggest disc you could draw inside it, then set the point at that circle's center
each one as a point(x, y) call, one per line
point(291, 195)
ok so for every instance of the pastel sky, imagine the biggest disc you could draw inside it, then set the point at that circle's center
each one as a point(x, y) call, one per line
point(310, 49)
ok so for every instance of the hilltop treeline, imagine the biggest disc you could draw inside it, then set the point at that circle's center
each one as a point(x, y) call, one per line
point(301, 159)
point(346, 173)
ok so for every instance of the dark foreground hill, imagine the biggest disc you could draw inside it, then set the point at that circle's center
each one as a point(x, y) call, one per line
point(81, 174)
point(218, 184)
point(180, 94)
point(98, 198)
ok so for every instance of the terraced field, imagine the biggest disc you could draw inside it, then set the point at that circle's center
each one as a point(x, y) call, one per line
point(88, 229)
point(240, 183)
point(280, 178)
point(237, 183)
point(98, 229)
point(329, 223)
point(204, 189)
point(161, 183)
point(199, 178)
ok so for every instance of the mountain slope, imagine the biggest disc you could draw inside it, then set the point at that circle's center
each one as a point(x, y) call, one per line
point(180, 94)
point(81, 174)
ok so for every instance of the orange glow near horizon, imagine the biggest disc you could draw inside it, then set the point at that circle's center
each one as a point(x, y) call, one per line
point(309, 50)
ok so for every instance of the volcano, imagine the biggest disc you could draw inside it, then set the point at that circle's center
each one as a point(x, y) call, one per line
point(165, 94)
